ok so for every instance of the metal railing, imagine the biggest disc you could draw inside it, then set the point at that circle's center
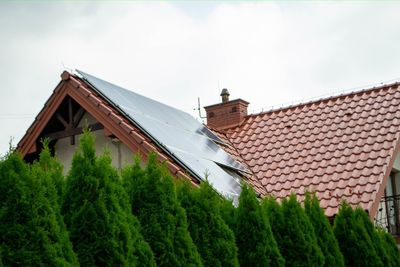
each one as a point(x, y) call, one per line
point(388, 216)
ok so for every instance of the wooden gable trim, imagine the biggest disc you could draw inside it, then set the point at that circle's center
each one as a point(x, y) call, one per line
point(381, 190)
point(114, 124)
point(27, 144)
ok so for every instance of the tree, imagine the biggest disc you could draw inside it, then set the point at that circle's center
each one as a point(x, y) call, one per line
point(228, 212)
point(377, 242)
point(31, 232)
point(323, 231)
point(215, 241)
point(163, 220)
point(96, 210)
point(254, 238)
point(295, 234)
point(390, 246)
point(353, 239)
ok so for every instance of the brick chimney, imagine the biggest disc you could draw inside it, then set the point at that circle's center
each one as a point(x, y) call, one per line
point(227, 113)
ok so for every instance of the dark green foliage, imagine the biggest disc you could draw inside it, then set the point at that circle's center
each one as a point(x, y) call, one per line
point(163, 220)
point(31, 232)
point(354, 241)
point(215, 241)
point(272, 211)
point(96, 209)
point(390, 246)
point(295, 233)
point(54, 171)
point(376, 240)
point(254, 238)
point(324, 232)
point(228, 212)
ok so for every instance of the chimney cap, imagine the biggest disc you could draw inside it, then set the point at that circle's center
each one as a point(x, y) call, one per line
point(225, 95)
point(224, 92)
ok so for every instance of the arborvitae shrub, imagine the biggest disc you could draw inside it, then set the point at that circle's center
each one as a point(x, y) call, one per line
point(102, 228)
point(215, 241)
point(254, 238)
point(54, 170)
point(390, 246)
point(272, 211)
point(353, 239)
point(163, 220)
point(296, 237)
point(228, 212)
point(30, 232)
point(372, 232)
point(323, 231)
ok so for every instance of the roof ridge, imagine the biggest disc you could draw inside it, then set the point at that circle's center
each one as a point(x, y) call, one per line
point(322, 99)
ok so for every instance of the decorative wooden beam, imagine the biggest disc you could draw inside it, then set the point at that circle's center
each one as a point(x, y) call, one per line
point(78, 116)
point(61, 119)
point(72, 132)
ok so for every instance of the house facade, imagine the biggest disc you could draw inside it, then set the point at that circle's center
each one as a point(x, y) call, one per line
point(342, 148)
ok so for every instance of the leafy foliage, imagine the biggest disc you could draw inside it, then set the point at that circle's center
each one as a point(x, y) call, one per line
point(323, 230)
point(31, 232)
point(96, 209)
point(254, 238)
point(163, 220)
point(215, 241)
point(354, 241)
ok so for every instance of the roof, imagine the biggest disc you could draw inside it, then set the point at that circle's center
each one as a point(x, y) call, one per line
point(341, 148)
point(173, 134)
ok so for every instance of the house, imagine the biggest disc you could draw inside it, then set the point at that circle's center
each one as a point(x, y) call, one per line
point(342, 148)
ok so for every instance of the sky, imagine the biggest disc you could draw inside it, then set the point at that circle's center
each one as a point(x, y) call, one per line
point(267, 53)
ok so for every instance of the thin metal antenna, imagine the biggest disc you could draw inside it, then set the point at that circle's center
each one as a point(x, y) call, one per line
point(199, 108)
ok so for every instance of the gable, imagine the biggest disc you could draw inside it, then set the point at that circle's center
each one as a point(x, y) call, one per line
point(141, 124)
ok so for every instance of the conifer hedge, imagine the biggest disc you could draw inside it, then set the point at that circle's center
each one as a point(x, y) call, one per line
point(297, 241)
point(31, 232)
point(323, 231)
point(354, 241)
point(96, 216)
point(254, 238)
point(163, 220)
point(96, 212)
point(214, 239)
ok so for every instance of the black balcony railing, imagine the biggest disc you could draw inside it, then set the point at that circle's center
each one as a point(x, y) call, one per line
point(388, 216)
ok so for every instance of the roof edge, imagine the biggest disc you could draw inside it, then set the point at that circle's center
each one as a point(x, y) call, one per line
point(322, 99)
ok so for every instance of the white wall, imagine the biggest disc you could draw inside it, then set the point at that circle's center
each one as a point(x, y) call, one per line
point(64, 150)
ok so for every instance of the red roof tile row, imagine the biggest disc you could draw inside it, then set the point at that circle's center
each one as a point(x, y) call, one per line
point(340, 148)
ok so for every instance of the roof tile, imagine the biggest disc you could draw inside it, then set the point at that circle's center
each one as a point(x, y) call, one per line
point(339, 147)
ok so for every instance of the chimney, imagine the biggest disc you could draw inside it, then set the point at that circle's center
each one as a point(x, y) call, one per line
point(226, 114)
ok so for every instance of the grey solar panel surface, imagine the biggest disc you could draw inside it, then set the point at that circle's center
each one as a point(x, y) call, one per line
point(186, 139)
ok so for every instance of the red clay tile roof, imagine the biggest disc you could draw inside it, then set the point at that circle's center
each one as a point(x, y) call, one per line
point(340, 147)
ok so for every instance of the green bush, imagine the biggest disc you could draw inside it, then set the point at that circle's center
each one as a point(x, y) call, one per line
point(163, 220)
point(354, 242)
point(215, 241)
point(102, 228)
point(294, 233)
point(323, 231)
point(254, 238)
point(31, 232)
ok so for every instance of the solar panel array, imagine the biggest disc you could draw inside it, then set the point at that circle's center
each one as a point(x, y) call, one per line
point(178, 133)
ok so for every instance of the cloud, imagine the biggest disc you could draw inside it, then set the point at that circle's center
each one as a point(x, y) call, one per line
point(266, 53)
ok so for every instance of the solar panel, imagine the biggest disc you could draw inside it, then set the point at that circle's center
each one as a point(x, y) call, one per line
point(182, 136)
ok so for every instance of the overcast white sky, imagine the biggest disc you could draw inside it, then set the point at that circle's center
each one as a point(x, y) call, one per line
point(266, 53)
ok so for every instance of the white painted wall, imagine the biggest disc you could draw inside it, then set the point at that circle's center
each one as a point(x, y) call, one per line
point(64, 150)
